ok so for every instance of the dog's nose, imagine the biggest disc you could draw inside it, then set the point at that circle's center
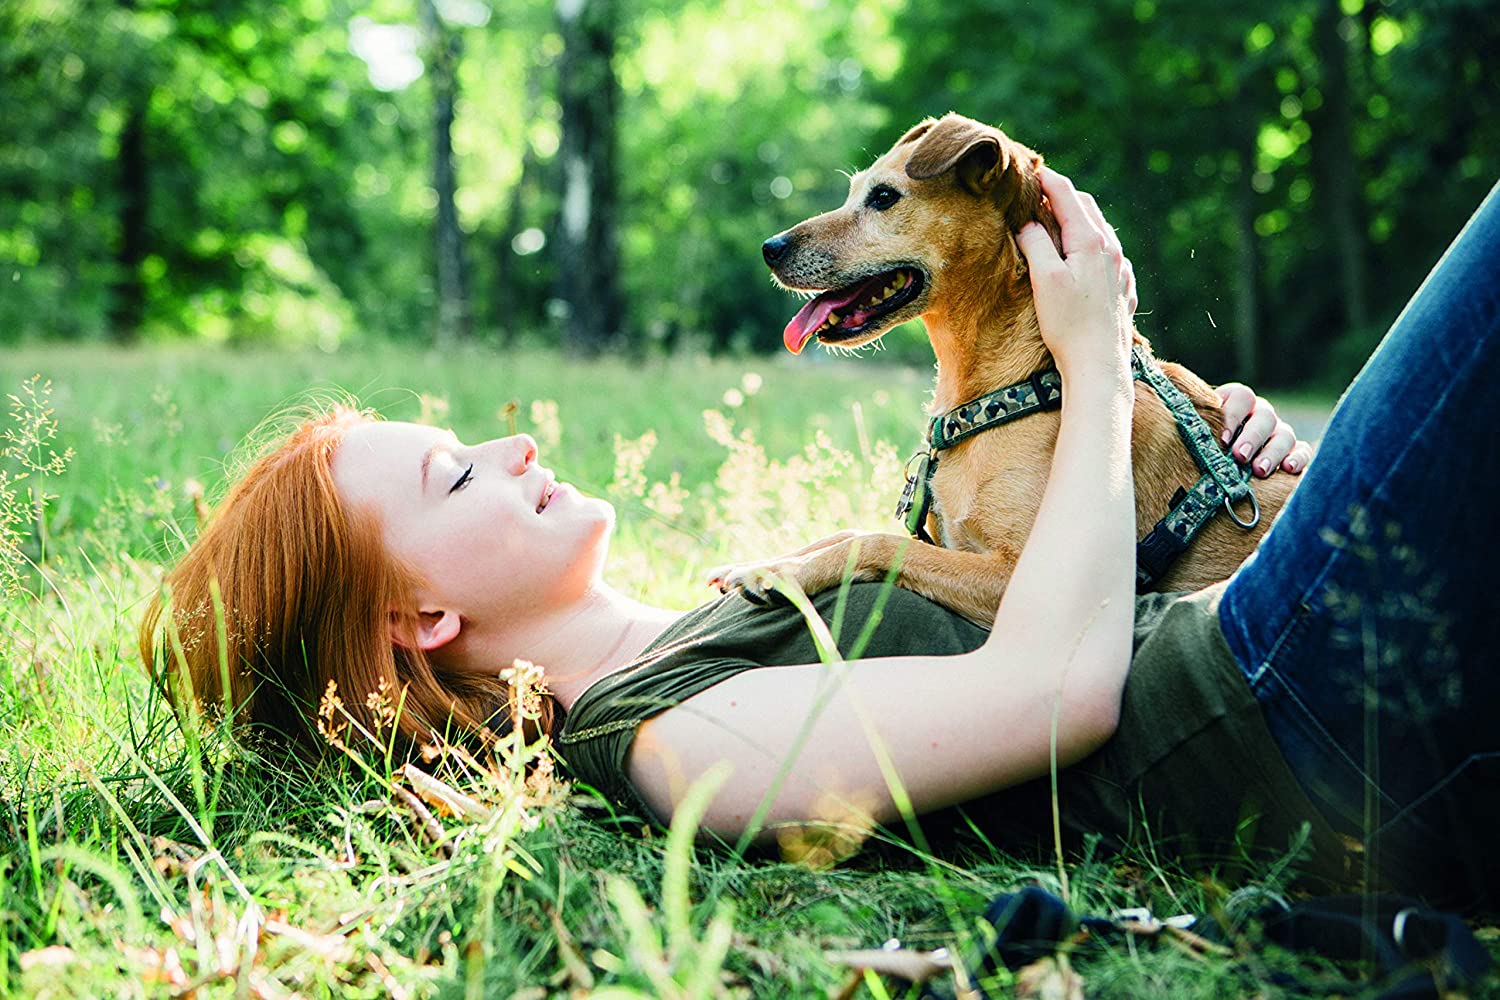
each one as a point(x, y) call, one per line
point(775, 248)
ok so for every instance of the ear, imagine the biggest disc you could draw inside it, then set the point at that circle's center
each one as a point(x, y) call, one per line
point(430, 630)
point(917, 131)
point(974, 150)
point(1028, 203)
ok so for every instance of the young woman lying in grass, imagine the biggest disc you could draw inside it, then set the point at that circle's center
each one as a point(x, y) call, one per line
point(1339, 681)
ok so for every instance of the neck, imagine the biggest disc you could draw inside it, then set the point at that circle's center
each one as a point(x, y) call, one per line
point(984, 342)
point(576, 645)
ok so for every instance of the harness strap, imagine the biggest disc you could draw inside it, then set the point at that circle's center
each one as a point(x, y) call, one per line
point(1222, 485)
point(1042, 391)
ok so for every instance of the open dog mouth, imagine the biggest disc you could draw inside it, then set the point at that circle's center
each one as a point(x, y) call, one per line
point(855, 310)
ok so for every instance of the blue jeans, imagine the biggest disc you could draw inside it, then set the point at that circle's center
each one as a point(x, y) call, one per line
point(1368, 621)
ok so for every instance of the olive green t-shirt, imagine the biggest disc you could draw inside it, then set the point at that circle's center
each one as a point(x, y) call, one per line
point(1191, 766)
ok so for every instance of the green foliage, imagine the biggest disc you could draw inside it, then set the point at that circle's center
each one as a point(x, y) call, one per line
point(28, 459)
point(230, 170)
point(1208, 143)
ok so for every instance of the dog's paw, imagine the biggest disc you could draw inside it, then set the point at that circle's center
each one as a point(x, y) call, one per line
point(719, 577)
point(757, 582)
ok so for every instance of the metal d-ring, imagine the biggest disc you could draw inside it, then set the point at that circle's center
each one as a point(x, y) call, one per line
point(1254, 507)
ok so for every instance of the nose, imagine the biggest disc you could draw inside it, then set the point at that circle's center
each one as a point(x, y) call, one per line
point(775, 248)
point(520, 454)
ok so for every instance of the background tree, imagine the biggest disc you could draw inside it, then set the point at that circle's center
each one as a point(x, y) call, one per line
point(133, 172)
point(263, 170)
point(588, 285)
point(444, 49)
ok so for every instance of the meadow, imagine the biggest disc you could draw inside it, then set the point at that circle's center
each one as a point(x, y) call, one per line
point(143, 857)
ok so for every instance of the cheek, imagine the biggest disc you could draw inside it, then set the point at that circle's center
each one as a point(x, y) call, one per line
point(469, 541)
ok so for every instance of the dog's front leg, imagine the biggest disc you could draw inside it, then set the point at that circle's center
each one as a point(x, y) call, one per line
point(718, 576)
point(969, 583)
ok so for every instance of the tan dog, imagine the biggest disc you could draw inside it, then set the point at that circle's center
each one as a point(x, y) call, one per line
point(929, 230)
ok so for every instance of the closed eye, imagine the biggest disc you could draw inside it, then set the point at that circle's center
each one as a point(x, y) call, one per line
point(882, 197)
point(463, 480)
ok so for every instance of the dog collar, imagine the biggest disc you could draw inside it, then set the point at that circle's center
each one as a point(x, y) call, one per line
point(1223, 483)
point(1042, 391)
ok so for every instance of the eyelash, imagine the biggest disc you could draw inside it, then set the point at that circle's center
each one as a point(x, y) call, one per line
point(463, 480)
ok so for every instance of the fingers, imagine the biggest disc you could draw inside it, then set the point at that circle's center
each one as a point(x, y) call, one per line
point(1096, 216)
point(1276, 451)
point(1297, 461)
point(1238, 401)
point(1036, 245)
point(1061, 192)
point(1257, 436)
point(1079, 231)
point(1258, 429)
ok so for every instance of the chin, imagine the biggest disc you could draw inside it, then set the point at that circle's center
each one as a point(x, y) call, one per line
point(598, 513)
point(601, 519)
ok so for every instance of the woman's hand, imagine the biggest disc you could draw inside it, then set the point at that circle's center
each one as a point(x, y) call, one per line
point(1253, 431)
point(1085, 298)
point(1084, 302)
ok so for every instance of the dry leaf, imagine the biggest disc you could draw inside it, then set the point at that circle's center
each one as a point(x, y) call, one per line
point(52, 957)
point(443, 796)
point(1048, 979)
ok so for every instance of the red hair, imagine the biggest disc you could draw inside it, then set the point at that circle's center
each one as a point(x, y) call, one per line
point(287, 590)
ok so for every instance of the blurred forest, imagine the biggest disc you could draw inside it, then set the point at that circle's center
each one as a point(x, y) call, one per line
point(601, 173)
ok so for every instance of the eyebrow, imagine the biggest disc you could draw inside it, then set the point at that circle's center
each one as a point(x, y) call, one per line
point(428, 455)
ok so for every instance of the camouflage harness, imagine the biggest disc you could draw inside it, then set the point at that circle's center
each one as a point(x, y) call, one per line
point(1222, 484)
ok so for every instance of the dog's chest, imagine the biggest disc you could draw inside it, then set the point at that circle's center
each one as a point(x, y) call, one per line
point(987, 489)
point(984, 498)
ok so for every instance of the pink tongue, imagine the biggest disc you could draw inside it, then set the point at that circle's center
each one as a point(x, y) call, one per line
point(811, 316)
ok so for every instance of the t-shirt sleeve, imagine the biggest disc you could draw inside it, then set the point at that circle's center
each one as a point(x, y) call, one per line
point(599, 731)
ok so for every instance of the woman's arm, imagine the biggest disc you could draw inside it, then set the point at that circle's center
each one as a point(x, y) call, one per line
point(952, 728)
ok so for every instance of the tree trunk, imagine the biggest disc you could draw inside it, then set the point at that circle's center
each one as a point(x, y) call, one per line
point(444, 49)
point(587, 250)
point(507, 261)
point(133, 172)
point(1246, 329)
point(1338, 172)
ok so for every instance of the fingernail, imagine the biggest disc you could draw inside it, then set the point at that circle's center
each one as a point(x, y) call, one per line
point(1291, 465)
point(1243, 451)
point(1263, 467)
point(1225, 435)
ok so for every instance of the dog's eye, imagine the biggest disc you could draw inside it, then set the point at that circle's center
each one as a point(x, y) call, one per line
point(882, 197)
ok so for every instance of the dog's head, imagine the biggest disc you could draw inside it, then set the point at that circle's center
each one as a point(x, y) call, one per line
point(940, 208)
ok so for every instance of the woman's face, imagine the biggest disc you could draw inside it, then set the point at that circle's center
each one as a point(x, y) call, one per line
point(493, 536)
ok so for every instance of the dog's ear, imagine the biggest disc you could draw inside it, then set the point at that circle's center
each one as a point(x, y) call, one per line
point(1026, 202)
point(977, 152)
point(917, 131)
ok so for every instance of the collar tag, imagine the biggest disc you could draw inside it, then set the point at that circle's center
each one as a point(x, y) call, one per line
point(912, 507)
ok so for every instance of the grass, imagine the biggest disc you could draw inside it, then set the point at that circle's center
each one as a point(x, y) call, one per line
point(131, 866)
